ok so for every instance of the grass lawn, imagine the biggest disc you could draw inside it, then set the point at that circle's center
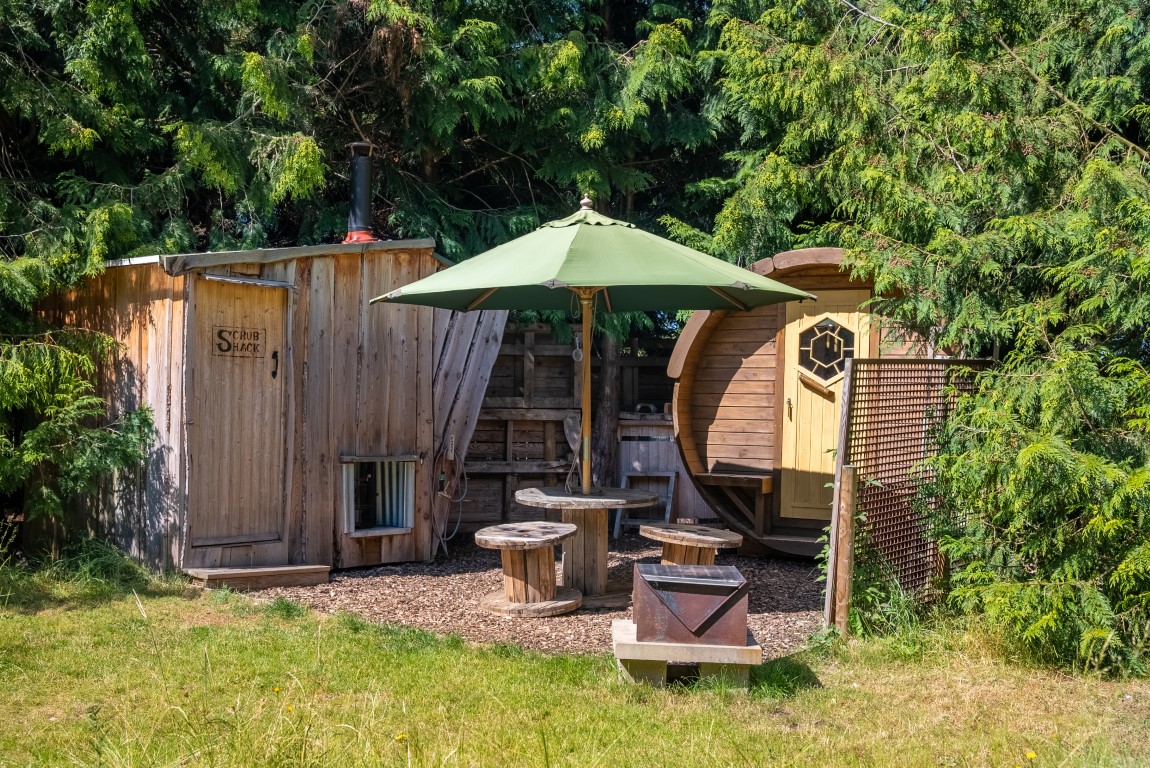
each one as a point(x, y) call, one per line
point(96, 676)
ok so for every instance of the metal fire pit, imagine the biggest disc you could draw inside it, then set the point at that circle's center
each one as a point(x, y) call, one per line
point(691, 604)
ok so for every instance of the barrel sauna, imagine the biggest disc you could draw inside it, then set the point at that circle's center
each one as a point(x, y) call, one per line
point(758, 399)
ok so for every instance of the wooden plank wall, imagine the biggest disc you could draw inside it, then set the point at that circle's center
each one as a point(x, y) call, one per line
point(143, 309)
point(730, 393)
point(647, 444)
point(466, 346)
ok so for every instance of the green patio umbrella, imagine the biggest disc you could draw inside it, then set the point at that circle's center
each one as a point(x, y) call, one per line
point(590, 258)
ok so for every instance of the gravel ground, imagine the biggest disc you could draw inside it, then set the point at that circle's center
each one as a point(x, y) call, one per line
point(785, 604)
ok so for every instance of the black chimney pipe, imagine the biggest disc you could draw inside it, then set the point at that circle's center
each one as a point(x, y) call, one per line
point(359, 214)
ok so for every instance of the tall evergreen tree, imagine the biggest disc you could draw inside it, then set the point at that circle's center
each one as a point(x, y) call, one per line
point(986, 165)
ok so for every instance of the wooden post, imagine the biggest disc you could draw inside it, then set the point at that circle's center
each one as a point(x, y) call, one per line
point(844, 550)
point(586, 302)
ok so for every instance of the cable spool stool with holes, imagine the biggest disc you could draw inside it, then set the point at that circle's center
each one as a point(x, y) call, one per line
point(528, 552)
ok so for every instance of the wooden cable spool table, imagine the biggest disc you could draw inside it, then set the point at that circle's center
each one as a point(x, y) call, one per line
point(528, 553)
point(690, 544)
point(585, 553)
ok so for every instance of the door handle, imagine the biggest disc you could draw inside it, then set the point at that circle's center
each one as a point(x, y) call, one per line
point(276, 361)
point(790, 409)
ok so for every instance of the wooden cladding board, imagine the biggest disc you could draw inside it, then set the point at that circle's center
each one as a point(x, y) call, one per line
point(143, 309)
point(729, 393)
point(237, 431)
point(257, 455)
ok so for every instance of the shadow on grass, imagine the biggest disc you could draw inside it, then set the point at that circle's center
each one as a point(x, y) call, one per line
point(779, 678)
point(782, 678)
point(89, 574)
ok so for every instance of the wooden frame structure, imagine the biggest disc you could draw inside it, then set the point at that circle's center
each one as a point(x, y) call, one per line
point(268, 374)
point(533, 399)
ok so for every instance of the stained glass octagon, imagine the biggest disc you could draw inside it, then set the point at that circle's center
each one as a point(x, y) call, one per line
point(825, 347)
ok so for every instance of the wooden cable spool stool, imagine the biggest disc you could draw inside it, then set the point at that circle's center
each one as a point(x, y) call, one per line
point(528, 551)
point(690, 544)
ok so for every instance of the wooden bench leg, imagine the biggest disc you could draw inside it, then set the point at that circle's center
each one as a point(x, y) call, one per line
point(685, 554)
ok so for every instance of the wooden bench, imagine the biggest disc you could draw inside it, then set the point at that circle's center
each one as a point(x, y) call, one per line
point(528, 553)
point(760, 488)
point(690, 544)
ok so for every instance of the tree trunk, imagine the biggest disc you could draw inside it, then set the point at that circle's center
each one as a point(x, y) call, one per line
point(604, 446)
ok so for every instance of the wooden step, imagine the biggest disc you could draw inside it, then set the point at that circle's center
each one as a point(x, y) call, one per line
point(259, 576)
point(799, 546)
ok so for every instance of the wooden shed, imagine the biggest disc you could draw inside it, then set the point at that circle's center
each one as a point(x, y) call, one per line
point(295, 424)
point(758, 399)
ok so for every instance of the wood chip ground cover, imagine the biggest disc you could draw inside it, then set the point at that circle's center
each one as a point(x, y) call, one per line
point(785, 603)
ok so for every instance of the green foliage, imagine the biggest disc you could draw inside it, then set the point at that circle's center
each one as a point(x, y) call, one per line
point(52, 444)
point(982, 162)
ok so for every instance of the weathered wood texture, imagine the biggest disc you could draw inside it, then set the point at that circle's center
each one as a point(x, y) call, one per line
point(143, 309)
point(245, 470)
point(259, 577)
point(237, 424)
point(466, 346)
point(647, 444)
point(520, 441)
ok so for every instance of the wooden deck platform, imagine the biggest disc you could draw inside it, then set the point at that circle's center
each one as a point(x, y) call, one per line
point(259, 576)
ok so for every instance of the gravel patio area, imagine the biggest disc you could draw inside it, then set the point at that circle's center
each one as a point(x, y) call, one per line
point(785, 604)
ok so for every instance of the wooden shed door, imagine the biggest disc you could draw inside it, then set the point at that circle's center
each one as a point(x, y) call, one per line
point(820, 336)
point(237, 440)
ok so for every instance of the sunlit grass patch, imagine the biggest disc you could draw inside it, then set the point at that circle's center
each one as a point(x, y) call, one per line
point(148, 677)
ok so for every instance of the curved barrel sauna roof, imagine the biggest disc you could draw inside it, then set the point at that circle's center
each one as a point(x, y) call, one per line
point(726, 400)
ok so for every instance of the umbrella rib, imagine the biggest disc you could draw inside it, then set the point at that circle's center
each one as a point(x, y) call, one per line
point(607, 299)
point(481, 299)
point(728, 297)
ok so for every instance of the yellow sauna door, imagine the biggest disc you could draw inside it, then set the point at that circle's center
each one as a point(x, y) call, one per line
point(237, 447)
point(820, 336)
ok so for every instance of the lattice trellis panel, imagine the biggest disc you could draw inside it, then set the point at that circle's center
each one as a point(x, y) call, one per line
point(893, 411)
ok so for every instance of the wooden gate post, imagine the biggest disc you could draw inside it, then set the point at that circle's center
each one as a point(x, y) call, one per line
point(840, 557)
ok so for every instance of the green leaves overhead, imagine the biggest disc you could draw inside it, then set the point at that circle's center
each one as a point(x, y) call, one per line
point(984, 162)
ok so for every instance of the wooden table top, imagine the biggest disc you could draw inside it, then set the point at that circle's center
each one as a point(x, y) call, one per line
point(526, 535)
point(691, 535)
point(600, 498)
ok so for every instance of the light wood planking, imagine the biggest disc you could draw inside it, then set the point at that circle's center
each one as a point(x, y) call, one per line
point(237, 409)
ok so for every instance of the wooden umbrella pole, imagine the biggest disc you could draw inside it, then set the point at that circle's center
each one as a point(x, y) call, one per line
point(586, 302)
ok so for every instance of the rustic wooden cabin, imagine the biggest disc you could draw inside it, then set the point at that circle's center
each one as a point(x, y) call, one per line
point(758, 399)
point(295, 424)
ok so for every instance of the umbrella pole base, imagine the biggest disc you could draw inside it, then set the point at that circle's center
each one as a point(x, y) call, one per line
point(585, 553)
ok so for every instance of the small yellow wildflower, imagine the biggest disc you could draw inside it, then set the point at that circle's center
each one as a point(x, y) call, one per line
point(289, 707)
point(276, 689)
point(401, 737)
point(1030, 755)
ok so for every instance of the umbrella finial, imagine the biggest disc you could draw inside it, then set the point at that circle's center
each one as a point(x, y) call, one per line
point(585, 203)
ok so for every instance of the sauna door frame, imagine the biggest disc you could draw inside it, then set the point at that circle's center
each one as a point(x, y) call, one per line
point(256, 549)
point(867, 347)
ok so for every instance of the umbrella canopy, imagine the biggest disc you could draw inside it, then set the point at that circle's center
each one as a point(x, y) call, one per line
point(593, 258)
point(633, 269)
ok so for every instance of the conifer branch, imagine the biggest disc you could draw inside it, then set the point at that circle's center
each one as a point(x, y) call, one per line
point(875, 19)
point(1037, 78)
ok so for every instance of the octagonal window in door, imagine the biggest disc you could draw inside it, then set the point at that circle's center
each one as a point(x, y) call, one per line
point(825, 347)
